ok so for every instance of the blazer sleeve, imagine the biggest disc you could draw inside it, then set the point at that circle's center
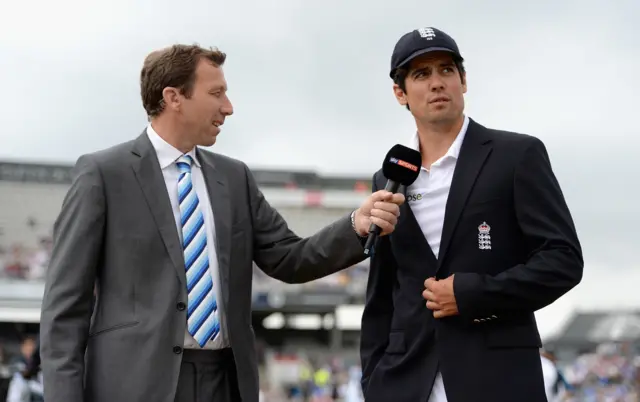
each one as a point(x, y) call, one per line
point(555, 261)
point(378, 308)
point(283, 255)
point(68, 294)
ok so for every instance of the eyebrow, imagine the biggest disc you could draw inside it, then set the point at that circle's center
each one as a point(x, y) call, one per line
point(424, 68)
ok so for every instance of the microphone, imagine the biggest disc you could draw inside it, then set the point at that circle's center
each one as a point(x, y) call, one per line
point(401, 166)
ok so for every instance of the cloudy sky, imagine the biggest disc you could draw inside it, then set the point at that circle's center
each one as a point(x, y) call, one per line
point(310, 88)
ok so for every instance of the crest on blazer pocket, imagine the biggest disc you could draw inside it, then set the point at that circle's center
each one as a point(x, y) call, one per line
point(484, 236)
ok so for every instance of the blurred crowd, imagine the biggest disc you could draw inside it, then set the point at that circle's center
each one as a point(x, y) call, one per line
point(610, 374)
point(29, 263)
point(17, 384)
point(330, 378)
point(26, 263)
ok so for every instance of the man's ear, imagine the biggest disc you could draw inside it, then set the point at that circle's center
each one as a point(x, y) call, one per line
point(401, 97)
point(172, 99)
point(464, 82)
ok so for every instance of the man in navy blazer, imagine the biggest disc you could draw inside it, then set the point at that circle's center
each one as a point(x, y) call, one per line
point(484, 240)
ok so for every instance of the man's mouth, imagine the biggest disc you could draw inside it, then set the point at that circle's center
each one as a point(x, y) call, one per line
point(439, 99)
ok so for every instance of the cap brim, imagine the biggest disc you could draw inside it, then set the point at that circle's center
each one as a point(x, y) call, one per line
point(424, 51)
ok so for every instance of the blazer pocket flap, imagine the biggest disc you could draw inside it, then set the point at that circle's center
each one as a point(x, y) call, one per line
point(106, 329)
point(396, 343)
point(513, 336)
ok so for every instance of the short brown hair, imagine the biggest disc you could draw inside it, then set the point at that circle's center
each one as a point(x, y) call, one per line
point(173, 66)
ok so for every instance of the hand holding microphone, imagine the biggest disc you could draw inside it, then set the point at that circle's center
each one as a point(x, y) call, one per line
point(380, 208)
point(401, 166)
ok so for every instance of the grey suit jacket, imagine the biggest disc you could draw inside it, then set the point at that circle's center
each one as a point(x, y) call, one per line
point(116, 229)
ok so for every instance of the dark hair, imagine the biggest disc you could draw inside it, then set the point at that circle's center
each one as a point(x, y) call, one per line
point(174, 66)
point(400, 75)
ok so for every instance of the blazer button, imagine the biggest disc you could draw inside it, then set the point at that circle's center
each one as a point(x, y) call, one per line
point(177, 350)
point(181, 306)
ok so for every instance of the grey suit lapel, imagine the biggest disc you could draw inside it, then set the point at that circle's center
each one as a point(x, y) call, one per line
point(219, 198)
point(149, 175)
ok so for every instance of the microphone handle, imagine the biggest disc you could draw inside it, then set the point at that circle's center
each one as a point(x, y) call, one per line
point(374, 230)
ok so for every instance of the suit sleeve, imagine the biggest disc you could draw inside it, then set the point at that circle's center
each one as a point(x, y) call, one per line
point(68, 295)
point(378, 308)
point(283, 255)
point(555, 260)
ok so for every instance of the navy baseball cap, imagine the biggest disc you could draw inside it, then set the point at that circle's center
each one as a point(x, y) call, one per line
point(419, 42)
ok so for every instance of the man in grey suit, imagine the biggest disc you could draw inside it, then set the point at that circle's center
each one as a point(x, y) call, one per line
point(168, 232)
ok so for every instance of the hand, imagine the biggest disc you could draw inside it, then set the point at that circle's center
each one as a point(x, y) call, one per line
point(381, 208)
point(440, 297)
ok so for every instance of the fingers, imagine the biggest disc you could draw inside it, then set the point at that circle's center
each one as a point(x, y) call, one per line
point(428, 295)
point(384, 225)
point(428, 284)
point(381, 195)
point(384, 210)
point(431, 305)
point(386, 196)
point(386, 206)
point(397, 199)
point(385, 214)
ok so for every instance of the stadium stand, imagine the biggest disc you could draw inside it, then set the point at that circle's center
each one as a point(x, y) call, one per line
point(307, 335)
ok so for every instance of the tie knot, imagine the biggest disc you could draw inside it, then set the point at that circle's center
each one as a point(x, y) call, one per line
point(184, 163)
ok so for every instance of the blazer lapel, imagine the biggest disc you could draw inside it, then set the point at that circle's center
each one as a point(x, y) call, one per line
point(221, 206)
point(474, 151)
point(408, 225)
point(149, 175)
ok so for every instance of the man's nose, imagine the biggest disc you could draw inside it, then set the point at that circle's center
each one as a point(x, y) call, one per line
point(436, 84)
point(227, 108)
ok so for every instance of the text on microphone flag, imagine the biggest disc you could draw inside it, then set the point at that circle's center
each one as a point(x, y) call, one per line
point(403, 164)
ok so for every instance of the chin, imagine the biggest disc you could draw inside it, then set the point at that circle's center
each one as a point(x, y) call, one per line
point(209, 142)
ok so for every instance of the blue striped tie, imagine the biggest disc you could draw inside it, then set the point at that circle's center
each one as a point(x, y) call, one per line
point(202, 319)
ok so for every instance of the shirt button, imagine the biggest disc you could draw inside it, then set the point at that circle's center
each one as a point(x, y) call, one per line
point(177, 350)
point(181, 306)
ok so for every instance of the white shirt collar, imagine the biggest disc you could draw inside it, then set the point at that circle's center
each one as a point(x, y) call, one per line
point(454, 149)
point(167, 154)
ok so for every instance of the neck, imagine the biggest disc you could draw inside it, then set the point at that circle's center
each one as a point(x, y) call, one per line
point(172, 133)
point(436, 139)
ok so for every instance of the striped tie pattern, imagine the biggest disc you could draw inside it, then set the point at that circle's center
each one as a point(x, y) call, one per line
point(202, 318)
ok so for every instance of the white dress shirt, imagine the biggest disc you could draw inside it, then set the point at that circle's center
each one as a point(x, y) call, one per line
point(167, 157)
point(428, 200)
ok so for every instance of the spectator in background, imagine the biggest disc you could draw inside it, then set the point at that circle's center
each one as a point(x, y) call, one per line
point(25, 390)
point(33, 362)
point(353, 389)
point(3, 260)
point(554, 383)
point(5, 374)
point(15, 266)
point(39, 260)
point(27, 348)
